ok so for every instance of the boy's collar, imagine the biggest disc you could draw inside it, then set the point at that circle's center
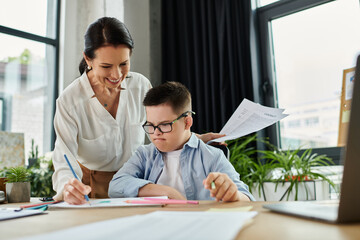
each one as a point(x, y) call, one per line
point(193, 141)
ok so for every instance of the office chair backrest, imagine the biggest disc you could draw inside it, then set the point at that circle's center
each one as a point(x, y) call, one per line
point(225, 150)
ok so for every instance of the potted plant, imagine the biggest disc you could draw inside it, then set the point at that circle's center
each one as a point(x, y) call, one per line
point(3, 180)
point(17, 185)
point(297, 173)
point(33, 154)
point(279, 175)
point(41, 177)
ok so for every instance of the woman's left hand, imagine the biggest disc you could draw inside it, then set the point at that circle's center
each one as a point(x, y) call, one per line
point(210, 136)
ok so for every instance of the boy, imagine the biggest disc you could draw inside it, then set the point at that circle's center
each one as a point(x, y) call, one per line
point(177, 164)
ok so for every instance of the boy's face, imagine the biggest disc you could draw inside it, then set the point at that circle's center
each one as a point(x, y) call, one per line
point(174, 140)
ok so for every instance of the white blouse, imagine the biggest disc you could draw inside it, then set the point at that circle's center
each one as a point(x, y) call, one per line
point(86, 131)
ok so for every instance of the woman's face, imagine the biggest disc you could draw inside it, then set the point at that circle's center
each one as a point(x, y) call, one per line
point(110, 65)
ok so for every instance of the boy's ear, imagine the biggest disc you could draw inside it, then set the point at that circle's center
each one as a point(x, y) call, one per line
point(188, 122)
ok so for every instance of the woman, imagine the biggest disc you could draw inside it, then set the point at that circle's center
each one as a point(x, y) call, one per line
point(99, 116)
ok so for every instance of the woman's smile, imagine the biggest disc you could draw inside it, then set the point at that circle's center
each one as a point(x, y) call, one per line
point(115, 81)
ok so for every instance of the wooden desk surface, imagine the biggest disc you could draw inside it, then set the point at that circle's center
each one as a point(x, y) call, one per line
point(266, 225)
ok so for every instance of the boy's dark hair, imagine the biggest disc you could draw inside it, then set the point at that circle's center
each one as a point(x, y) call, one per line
point(173, 93)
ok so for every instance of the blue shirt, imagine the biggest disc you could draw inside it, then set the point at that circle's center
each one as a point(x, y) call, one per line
point(197, 160)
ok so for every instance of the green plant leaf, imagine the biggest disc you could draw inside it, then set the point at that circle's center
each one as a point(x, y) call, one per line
point(17, 174)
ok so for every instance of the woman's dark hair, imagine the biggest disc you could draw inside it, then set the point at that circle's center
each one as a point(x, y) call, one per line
point(102, 32)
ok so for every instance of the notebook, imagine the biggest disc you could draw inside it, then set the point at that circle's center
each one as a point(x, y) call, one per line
point(348, 209)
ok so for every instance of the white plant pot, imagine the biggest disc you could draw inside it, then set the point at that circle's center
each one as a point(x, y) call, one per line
point(316, 190)
point(18, 192)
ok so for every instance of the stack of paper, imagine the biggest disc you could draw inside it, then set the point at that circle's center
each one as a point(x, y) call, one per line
point(160, 225)
point(249, 117)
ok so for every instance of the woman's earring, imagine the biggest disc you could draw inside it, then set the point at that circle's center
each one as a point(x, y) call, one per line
point(89, 68)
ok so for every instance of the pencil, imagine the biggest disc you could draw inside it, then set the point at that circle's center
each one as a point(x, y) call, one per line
point(72, 170)
point(39, 204)
point(213, 185)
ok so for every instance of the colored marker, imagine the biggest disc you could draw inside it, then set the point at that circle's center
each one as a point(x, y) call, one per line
point(39, 204)
point(174, 201)
point(162, 201)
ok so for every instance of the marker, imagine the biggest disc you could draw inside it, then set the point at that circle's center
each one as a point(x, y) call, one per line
point(162, 201)
point(72, 170)
point(173, 201)
point(213, 185)
point(39, 204)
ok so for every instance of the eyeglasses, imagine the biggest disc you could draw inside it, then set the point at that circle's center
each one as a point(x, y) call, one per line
point(163, 127)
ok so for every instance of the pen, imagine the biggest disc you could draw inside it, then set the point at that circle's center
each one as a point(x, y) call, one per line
point(41, 208)
point(213, 185)
point(72, 170)
point(175, 201)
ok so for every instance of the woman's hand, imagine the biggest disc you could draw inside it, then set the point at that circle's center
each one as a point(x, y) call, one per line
point(74, 192)
point(210, 136)
point(225, 189)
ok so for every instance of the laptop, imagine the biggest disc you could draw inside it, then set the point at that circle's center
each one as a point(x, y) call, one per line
point(348, 208)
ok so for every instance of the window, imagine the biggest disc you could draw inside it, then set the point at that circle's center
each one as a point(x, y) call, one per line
point(2, 122)
point(306, 45)
point(262, 3)
point(28, 69)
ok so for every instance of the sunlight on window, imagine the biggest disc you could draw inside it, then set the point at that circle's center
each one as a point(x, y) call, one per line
point(262, 3)
point(27, 77)
point(311, 50)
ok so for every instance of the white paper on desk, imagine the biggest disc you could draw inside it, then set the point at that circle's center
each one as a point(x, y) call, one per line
point(160, 225)
point(10, 213)
point(249, 117)
point(108, 202)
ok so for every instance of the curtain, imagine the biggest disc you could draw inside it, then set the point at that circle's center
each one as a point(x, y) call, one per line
point(205, 46)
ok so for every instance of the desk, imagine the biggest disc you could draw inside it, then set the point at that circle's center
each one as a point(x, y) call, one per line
point(266, 225)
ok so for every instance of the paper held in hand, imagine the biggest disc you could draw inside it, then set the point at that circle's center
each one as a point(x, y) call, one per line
point(249, 117)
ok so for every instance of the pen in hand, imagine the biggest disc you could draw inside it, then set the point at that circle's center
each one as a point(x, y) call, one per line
point(72, 170)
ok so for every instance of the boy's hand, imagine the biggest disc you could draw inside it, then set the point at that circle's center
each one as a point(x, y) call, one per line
point(225, 189)
point(151, 190)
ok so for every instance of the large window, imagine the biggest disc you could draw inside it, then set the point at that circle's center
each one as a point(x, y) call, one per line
point(306, 45)
point(28, 69)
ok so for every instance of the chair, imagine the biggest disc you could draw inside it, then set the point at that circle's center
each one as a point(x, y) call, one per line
point(225, 150)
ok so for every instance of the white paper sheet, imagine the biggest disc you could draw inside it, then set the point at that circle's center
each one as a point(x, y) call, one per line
point(10, 213)
point(249, 117)
point(160, 225)
point(107, 202)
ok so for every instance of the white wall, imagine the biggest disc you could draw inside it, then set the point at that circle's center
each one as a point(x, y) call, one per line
point(76, 15)
point(136, 18)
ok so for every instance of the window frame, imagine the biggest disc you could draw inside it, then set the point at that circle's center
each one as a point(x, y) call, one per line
point(55, 42)
point(267, 83)
point(6, 112)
